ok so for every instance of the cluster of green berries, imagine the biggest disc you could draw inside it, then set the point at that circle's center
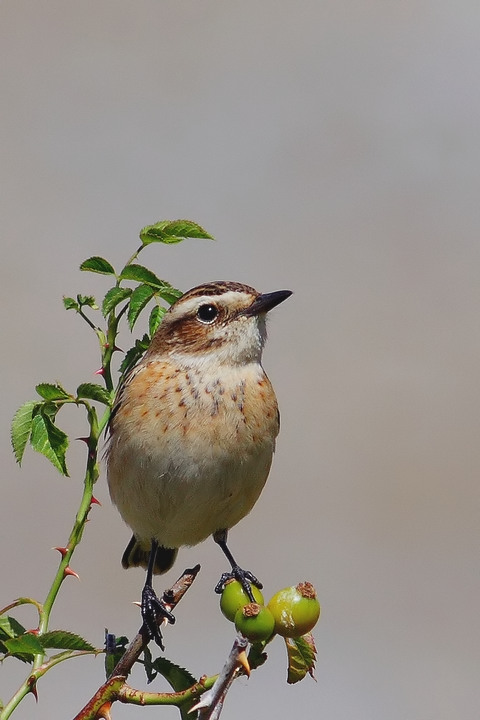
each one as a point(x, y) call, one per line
point(291, 612)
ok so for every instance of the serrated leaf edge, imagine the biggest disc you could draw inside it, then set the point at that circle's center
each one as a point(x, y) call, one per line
point(77, 641)
point(19, 445)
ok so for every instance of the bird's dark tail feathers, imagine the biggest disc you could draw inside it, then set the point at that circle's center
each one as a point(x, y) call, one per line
point(136, 555)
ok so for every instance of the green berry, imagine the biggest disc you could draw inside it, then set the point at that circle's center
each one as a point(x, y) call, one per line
point(255, 622)
point(295, 610)
point(234, 597)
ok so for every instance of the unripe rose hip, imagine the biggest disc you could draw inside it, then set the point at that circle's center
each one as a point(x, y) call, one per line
point(295, 609)
point(255, 622)
point(234, 597)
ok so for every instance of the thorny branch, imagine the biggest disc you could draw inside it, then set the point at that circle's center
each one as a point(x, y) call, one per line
point(211, 704)
point(115, 687)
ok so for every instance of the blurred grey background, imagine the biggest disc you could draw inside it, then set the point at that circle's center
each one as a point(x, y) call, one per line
point(332, 148)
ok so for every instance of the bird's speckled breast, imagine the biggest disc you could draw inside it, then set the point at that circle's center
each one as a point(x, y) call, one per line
point(222, 410)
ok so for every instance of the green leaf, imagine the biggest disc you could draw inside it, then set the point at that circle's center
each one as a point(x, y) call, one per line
point(21, 429)
point(179, 679)
point(155, 319)
point(134, 354)
point(70, 304)
point(27, 644)
point(92, 391)
point(170, 294)
point(172, 231)
point(48, 408)
point(114, 296)
point(301, 657)
point(87, 300)
point(141, 274)
point(64, 640)
point(98, 265)
point(49, 440)
point(51, 391)
point(257, 655)
point(9, 627)
point(140, 297)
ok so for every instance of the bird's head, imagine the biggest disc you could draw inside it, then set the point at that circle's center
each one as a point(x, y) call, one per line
point(220, 322)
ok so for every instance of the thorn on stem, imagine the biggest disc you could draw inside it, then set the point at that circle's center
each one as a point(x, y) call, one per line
point(32, 684)
point(104, 711)
point(68, 571)
point(94, 501)
point(100, 371)
point(243, 660)
point(62, 550)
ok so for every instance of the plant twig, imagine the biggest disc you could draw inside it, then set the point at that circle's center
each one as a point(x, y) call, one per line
point(211, 704)
point(115, 687)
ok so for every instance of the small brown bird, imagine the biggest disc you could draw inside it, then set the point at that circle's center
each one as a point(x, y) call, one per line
point(193, 431)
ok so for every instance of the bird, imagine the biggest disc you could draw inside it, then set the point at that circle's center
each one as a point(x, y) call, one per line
point(192, 432)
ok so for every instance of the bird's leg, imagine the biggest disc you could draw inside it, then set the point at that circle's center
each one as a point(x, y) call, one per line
point(244, 577)
point(152, 607)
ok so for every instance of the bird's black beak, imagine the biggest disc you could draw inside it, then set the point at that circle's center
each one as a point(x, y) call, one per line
point(265, 302)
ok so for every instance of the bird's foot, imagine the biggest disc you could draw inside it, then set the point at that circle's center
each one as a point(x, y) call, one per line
point(153, 611)
point(244, 577)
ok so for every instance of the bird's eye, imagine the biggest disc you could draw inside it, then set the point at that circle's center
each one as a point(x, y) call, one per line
point(207, 313)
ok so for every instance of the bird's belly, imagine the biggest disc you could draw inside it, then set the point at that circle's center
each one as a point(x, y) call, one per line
point(181, 501)
point(182, 468)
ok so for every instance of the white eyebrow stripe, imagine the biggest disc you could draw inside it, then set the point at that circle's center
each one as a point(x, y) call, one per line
point(231, 297)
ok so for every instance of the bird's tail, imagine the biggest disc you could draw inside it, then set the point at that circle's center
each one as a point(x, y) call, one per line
point(136, 554)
